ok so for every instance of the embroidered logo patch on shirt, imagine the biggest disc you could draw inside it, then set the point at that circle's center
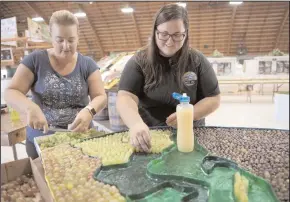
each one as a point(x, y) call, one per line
point(189, 78)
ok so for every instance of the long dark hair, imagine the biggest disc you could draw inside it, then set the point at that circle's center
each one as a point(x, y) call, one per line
point(153, 70)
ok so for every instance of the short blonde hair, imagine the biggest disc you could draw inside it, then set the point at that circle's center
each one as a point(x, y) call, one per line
point(63, 17)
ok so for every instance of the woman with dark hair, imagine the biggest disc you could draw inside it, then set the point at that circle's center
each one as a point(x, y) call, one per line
point(167, 65)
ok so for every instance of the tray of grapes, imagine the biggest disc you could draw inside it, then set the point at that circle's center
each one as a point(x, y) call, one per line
point(56, 138)
point(108, 168)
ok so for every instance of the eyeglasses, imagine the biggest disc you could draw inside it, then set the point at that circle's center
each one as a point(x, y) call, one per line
point(164, 36)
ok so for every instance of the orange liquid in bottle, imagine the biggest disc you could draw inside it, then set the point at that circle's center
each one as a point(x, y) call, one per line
point(185, 136)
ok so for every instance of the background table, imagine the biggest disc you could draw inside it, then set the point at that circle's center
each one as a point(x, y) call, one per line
point(12, 133)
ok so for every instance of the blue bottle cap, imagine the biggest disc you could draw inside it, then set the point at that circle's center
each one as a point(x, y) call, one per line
point(181, 98)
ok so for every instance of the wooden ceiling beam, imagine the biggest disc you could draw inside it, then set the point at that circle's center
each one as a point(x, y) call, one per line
point(81, 7)
point(136, 29)
point(105, 19)
point(262, 29)
point(6, 9)
point(242, 39)
point(24, 8)
point(214, 32)
point(231, 29)
point(198, 29)
point(37, 11)
point(85, 39)
point(286, 14)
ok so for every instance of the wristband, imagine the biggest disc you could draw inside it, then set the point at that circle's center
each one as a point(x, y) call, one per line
point(91, 110)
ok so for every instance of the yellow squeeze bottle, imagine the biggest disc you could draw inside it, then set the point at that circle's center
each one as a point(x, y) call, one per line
point(184, 113)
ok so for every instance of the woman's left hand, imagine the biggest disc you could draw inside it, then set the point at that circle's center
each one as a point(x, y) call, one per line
point(81, 122)
point(172, 120)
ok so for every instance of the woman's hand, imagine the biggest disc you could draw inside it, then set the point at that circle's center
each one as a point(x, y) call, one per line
point(82, 121)
point(36, 119)
point(140, 137)
point(172, 120)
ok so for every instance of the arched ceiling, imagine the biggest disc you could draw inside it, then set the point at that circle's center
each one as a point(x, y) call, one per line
point(261, 26)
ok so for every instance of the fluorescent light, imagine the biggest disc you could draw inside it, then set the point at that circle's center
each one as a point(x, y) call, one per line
point(91, 2)
point(80, 15)
point(38, 19)
point(181, 4)
point(236, 2)
point(127, 10)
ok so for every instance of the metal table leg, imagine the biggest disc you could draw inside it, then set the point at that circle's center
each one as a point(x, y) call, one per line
point(14, 152)
point(274, 89)
point(278, 86)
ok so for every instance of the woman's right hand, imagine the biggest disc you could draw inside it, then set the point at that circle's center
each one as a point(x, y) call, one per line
point(36, 119)
point(140, 137)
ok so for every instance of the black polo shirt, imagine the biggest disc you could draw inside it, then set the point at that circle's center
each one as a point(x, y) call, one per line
point(156, 105)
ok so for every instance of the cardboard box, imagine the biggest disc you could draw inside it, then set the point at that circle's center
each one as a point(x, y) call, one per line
point(11, 170)
point(38, 173)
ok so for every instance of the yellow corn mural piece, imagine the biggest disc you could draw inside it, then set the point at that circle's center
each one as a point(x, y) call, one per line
point(241, 186)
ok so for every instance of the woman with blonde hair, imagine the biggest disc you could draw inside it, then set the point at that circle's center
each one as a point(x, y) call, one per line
point(61, 81)
point(167, 65)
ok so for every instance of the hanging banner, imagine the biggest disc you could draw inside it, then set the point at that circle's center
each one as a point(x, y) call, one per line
point(9, 30)
point(38, 31)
